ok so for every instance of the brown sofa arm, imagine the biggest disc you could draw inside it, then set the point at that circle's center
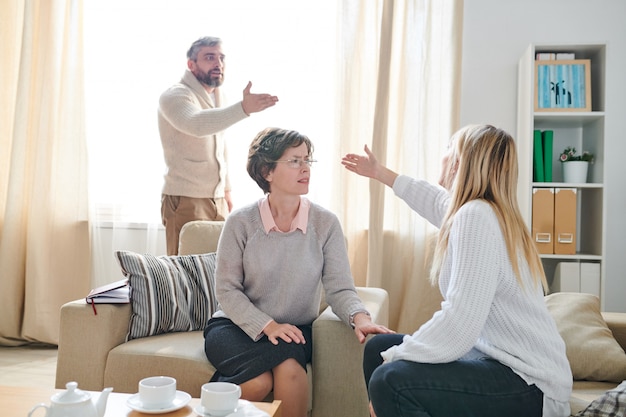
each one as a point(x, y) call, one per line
point(617, 324)
point(85, 340)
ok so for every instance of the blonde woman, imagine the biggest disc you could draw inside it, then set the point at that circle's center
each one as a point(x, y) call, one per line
point(493, 349)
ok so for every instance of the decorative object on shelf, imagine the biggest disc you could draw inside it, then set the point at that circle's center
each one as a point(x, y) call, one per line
point(575, 166)
point(563, 85)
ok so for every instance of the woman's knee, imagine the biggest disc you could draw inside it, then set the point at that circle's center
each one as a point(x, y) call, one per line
point(289, 369)
point(373, 349)
point(381, 342)
point(256, 389)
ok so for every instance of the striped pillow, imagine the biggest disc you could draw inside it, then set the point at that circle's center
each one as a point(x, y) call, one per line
point(169, 293)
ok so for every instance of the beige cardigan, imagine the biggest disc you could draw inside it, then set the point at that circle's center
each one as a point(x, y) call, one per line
point(191, 128)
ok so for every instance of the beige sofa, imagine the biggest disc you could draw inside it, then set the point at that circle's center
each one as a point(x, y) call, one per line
point(92, 348)
point(586, 391)
point(93, 351)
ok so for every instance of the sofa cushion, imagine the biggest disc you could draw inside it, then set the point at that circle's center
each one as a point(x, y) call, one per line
point(592, 351)
point(169, 293)
point(179, 355)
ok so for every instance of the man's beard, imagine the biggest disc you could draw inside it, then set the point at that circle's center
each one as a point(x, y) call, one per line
point(210, 81)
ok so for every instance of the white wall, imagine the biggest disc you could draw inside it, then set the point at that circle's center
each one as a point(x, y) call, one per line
point(495, 35)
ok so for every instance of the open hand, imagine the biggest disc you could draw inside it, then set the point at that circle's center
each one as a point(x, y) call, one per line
point(253, 103)
point(365, 165)
point(368, 166)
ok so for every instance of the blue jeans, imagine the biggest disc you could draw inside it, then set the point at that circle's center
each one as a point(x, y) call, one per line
point(483, 387)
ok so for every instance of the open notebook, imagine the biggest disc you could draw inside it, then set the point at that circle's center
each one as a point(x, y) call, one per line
point(113, 293)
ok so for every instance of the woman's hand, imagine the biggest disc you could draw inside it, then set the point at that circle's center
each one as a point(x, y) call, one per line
point(365, 165)
point(287, 332)
point(363, 326)
point(368, 166)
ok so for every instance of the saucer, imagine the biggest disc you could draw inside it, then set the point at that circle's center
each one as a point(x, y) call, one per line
point(181, 400)
point(244, 409)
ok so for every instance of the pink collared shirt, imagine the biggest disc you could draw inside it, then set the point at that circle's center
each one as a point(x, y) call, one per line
point(299, 222)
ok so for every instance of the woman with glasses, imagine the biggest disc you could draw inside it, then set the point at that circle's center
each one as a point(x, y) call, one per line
point(493, 349)
point(274, 258)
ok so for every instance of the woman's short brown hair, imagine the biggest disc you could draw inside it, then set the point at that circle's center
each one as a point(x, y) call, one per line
point(267, 147)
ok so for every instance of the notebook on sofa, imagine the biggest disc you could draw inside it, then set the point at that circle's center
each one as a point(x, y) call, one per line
point(113, 293)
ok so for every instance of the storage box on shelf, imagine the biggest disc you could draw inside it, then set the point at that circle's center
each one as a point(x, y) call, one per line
point(583, 130)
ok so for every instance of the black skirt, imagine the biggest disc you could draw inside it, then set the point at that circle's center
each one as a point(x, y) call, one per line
point(238, 358)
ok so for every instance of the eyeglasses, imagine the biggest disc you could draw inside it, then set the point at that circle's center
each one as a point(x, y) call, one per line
point(297, 163)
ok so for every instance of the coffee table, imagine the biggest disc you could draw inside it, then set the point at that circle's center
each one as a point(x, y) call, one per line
point(18, 401)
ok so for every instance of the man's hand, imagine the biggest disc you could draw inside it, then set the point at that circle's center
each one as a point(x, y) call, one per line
point(287, 332)
point(253, 103)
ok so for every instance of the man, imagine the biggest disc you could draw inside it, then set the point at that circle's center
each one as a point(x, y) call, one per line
point(191, 123)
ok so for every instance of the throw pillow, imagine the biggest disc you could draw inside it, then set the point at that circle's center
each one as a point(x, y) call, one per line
point(169, 293)
point(610, 404)
point(592, 351)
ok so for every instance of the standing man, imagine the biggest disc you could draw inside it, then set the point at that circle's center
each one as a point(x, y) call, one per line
point(191, 122)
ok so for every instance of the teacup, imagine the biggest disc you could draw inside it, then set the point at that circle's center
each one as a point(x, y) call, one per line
point(220, 398)
point(157, 392)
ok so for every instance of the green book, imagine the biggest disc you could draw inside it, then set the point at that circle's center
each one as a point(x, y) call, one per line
point(548, 143)
point(538, 157)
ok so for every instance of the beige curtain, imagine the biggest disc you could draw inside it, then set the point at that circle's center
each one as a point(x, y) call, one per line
point(44, 238)
point(400, 87)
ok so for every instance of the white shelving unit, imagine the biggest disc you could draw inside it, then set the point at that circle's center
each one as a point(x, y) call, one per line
point(584, 131)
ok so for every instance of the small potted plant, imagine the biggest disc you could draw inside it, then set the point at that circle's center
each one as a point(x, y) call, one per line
point(575, 166)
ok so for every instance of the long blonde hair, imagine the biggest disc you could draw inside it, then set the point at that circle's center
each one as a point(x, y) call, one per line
point(487, 170)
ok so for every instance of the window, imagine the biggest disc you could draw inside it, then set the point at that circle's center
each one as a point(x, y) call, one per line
point(134, 50)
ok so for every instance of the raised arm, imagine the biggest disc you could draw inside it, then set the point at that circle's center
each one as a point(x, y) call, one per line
point(368, 166)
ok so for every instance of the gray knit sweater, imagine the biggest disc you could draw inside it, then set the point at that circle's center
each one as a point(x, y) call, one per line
point(193, 147)
point(280, 276)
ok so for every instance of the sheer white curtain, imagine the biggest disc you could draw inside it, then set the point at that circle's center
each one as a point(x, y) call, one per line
point(347, 73)
point(134, 50)
point(44, 238)
point(399, 93)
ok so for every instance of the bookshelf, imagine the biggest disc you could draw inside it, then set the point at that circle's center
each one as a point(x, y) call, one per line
point(582, 129)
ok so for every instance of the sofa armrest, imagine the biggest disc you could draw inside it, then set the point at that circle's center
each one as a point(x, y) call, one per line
point(85, 340)
point(617, 324)
point(338, 381)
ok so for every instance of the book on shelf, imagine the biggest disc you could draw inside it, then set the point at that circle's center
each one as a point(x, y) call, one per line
point(538, 164)
point(565, 55)
point(545, 56)
point(548, 56)
point(117, 292)
point(547, 137)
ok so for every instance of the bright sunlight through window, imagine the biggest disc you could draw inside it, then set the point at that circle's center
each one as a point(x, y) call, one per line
point(136, 49)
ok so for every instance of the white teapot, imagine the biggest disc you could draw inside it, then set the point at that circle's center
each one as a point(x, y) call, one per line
point(75, 403)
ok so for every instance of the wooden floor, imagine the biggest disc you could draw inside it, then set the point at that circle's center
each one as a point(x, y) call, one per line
point(28, 366)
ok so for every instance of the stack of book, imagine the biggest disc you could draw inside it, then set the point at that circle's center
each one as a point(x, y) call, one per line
point(546, 56)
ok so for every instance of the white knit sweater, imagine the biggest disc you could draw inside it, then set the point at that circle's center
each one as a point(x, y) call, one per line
point(484, 307)
point(263, 276)
point(190, 125)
